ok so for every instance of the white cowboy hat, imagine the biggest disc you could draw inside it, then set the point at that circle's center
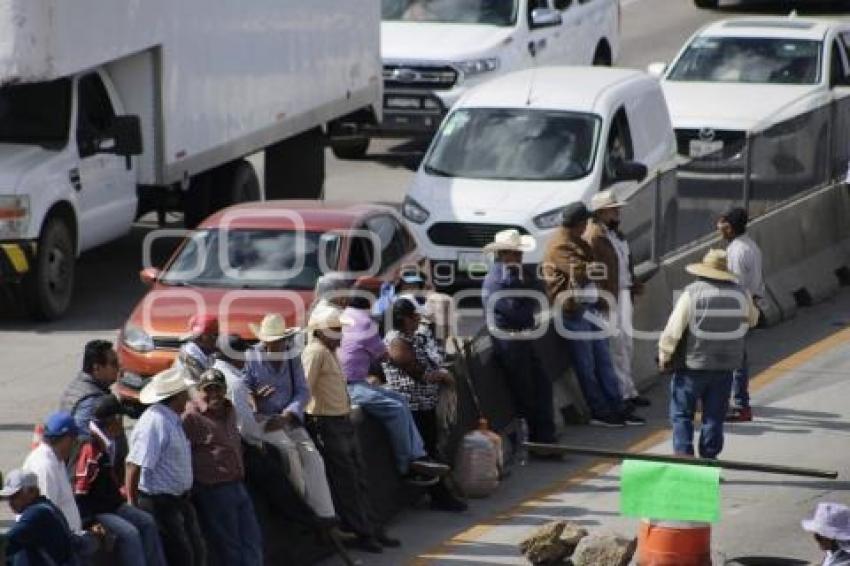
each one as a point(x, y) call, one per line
point(713, 266)
point(272, 328)
point(605, 199)
point(511, 240)
point(327, 317)
point(165, 384)
point(831, 520)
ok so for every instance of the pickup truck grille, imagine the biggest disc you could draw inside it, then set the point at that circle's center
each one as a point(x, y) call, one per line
point(414, 76)
point(733, 140)
point(467, 235)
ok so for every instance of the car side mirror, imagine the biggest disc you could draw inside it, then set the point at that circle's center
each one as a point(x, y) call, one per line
point(630, 171)
point(545, 17)
point(150, 275)
point(657, 69)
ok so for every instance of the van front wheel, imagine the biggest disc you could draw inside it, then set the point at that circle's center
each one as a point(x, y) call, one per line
point(50, 284)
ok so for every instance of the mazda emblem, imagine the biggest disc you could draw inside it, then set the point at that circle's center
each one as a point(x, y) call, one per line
point(706, 134)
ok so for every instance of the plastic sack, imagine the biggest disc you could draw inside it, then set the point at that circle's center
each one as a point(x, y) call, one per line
point(477, 467)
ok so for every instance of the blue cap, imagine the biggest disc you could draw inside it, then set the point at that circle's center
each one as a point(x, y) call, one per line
point(59, 424)
point(412, 278)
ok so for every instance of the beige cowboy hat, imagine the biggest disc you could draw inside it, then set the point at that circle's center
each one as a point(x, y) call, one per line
point(165, 384)
point(713, 266)
point(511, 240)
point(328, 317)
point(605, 199)
point(272, 328)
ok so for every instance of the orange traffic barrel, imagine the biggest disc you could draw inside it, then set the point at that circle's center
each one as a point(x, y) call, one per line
point(680, 543)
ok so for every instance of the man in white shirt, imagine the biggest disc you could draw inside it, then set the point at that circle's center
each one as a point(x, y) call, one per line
point(744, 260)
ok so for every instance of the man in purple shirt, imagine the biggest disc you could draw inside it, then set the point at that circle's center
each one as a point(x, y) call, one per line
point(360, 349)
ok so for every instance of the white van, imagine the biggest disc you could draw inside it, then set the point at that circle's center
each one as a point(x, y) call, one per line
point(515, 151)
point(436, 50)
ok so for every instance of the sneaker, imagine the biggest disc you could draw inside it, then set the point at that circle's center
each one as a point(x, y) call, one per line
point(639, 401)
point(634, 420)
point(739, 415)
point(609, 421)
point(429, 468)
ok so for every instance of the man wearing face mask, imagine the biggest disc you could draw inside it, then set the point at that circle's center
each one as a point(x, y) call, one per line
point(617, 279)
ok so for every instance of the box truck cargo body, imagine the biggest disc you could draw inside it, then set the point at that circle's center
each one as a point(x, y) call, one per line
point(111, 109)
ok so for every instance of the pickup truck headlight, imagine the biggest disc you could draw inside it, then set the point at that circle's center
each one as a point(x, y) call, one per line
point(551, 219)
point(137, 339)
point(14, 217)
point(478, 66)
point(414, 211)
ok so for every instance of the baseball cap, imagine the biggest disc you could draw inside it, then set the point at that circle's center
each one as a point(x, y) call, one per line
point(212, 377)
point(59, 424)
point(16, 481)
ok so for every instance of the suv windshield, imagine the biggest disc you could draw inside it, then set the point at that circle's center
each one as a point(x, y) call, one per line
point(521, 145)
point(493, 12)
point(749, 60)
point(253, 259)
point(38, 113)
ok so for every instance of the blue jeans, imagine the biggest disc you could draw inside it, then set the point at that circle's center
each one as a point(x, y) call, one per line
point(137, 536)
point(232, 531)
point(392, 410)
point(741, 384)
point(713, 389)
point(591, 361)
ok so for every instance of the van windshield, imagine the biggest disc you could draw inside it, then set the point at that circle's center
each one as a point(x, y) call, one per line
point(492, 12)
point(515, 145)
point(38, 113)
point(749, 60)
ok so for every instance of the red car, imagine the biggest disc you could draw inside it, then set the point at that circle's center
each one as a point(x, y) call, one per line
point(252, 259)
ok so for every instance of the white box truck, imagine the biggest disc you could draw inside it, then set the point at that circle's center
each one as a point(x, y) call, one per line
point(109, 110)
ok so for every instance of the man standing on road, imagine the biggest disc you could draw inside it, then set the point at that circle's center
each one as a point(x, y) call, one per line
point(703, 343)
point(274, 374)
point(223, 503)
point(744, 259)
point(40, 536)
point(82, 395)
point(568, 271)
point(612, 250)
point(159, 467)
point(510, 320)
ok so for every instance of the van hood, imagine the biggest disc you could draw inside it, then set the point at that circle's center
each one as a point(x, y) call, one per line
point(16, 160)
point(484, 200)
point(730, 106)
point(439, 43)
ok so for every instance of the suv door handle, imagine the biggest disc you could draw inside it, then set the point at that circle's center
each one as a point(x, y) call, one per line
point(74, 177)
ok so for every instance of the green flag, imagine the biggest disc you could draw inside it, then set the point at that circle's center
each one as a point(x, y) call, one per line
point(673, 492)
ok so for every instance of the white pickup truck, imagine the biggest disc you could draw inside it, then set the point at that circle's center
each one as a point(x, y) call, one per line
point(434, 51)
point(109, 110)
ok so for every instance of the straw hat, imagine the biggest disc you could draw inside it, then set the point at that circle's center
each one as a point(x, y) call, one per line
point(605, 199)
point(831, 520)
point(165, 384)
point(511, 240)
point(713, 266)
point(272, 328)
point(327, 317)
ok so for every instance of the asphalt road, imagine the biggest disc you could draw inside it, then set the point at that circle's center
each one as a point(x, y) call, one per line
point(39, 359)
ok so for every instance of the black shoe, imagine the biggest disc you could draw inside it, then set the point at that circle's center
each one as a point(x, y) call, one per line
point(611, 421)
point(426, 467)
point(639, 401)
point(634, 420)
point(385, 540)
point(449, 503)
point(366, 544)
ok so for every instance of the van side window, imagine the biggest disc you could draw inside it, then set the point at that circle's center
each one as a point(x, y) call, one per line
point(618, 147)
point(95, 114)
point(837, 68)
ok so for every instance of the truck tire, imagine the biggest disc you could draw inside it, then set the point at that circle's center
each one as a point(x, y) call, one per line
point(198, 200)
point(350, 149)
point(295, 167)
point(235, 183)
point(50, 284)
point(706, 3)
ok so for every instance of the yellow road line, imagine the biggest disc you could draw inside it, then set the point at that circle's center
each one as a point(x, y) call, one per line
point(598, 468)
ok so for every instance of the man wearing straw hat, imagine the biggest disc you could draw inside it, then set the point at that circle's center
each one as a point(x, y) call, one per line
point(831, 529)
point(159, 467)
point(611, 249)
point(703, 343)
point(274, 374)
point(329, 420)
point(511, 318)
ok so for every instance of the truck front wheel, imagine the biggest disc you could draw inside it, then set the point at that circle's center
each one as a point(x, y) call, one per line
point(50, 284)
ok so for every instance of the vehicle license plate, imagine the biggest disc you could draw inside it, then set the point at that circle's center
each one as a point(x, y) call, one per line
point(701, 148)
point(472, 262)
